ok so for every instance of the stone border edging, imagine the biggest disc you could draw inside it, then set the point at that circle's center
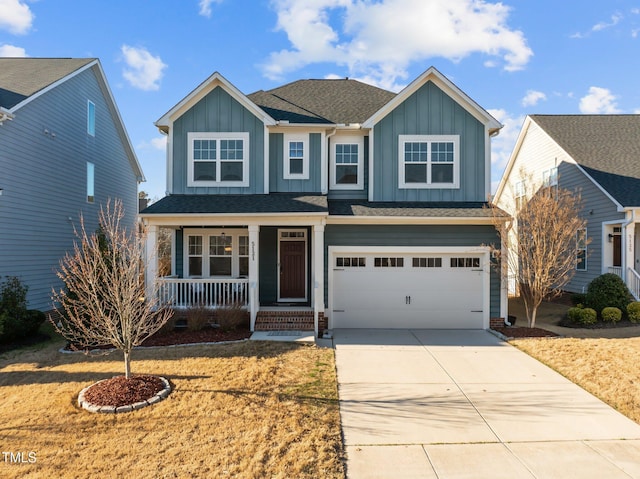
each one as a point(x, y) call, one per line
point(126, 408)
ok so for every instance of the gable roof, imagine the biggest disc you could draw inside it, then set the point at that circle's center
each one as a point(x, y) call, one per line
point(442, 82)
point(332, 101)
point(22, 80)
point(216, 80)
point(607, 147)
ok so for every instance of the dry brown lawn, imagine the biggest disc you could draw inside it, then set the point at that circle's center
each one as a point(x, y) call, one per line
point(251, 409)
point(607, 368)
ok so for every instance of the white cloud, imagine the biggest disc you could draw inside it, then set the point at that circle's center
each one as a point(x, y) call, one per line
point(533, 97)
point(380, 39)
point(15, 16)
point(7, 50)
point(598, 101)
point(598, 27)
point(157, 143)
point(144, 71)
point(502, 145)
point(205, 7)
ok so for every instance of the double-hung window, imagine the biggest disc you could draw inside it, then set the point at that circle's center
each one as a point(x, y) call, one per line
point(216, 253)
point(519, 192)
point(347, 169)
point(296, 157)
point(91, 118)
point(429, 161)
point(218, 159)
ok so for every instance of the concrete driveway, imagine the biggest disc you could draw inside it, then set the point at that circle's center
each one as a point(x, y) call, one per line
point(464, 404)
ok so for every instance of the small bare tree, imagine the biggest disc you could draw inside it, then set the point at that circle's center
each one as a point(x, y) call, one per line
point(105, 300)
point(542, 242)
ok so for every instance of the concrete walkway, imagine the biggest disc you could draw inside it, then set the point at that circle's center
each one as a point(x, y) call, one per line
point(464, 404)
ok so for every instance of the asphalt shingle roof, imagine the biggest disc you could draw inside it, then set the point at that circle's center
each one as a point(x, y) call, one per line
point(434, 209)
point(287, 203)
point(239, 204)
point(22, 77)
point(606, 146)
point(342, 101)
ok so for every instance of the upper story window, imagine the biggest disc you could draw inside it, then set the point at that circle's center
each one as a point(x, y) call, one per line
point(519, 192)
point(91, 118)
point(218, 159)
point(347, 163)
point(296, 157)
point(550, 177)
point(428, 161)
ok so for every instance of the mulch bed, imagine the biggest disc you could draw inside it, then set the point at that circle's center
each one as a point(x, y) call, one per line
point(120, 391)
point(522, 332)
point(28, 341)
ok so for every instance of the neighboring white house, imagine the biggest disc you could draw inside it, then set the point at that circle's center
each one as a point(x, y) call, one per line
point(599, 157)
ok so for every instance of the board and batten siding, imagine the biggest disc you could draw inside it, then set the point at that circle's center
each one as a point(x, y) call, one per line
point(415, 235)
point(218, 112)
point(277, 183)
point(429, 111)
point(44, 181)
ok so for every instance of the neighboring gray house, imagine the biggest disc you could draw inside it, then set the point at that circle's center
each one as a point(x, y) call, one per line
point(331, 204)
point(599, 156)
point(63, 151)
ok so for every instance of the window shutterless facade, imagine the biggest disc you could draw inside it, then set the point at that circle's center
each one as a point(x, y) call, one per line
point(428, 161)
point(218, 159)
point(296, 157)
point(91, 118)
point(91, 180)
point(347, 163)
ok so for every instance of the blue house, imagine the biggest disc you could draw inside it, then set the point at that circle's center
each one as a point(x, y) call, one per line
point(327, 204)
point(63, 152)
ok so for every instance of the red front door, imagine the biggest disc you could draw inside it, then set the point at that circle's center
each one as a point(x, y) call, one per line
point(292, 270)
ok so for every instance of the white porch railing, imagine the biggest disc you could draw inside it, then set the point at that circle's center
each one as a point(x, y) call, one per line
point(633, 283)
point(617, 270)
point(208, 292)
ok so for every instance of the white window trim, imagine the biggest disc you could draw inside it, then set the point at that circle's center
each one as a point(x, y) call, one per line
point(585, 249)
point(91, 118)
point(244, 136)
point(548, 179)
point(347, 140)
point(455, 139)
point(234, 234)
point(304, 139)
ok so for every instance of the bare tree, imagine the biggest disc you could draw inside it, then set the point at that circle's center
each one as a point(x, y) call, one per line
point(105, 301)
point(543, 242)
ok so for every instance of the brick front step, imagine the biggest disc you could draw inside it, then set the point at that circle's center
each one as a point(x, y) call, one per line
point(284, 321)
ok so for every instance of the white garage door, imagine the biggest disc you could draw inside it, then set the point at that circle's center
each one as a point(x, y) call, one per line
point(387, 290)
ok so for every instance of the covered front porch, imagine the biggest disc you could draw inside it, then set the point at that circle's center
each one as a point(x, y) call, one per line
point(273, 267)
point(621, 251)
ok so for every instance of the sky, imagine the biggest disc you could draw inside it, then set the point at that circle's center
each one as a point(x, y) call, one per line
point(514, 57)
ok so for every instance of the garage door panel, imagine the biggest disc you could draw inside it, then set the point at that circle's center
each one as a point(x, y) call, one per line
point(409, 296)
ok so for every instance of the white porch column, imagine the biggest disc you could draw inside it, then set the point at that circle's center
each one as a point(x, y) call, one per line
point(151, 260)
point(254, 302)
point(628, 255)
point(318, 273)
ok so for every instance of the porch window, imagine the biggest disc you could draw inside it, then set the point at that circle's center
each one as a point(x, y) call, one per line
point(218, 159)
point(581, 249)
point(220, 253)
point(347, 166)
point(428, 161)
point(296, 157)
point(216, 252)
point(195, 255)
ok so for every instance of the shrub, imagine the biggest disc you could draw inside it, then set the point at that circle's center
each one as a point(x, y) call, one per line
point(574, 314)
point(611, 314)
point(578, 298)
point(231, 317)
point(588, 316)
point(608, 290)
point(13, 295)
point(16, 321)
point(198, 317)
point(633, 310)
